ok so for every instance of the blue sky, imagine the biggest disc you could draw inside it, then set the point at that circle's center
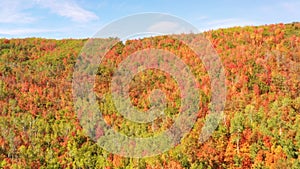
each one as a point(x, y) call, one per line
point(83, 18)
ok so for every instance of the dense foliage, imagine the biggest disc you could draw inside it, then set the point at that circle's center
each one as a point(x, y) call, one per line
point(39, 128)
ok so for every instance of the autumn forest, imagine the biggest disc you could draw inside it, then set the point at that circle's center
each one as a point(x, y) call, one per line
point(39, 127)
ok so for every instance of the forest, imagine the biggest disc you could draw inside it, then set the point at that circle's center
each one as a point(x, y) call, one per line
point(39, 127)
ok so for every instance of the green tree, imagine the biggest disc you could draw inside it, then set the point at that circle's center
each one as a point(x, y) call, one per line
point(237, 127)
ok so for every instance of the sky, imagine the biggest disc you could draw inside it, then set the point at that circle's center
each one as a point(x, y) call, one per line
point(83, 18)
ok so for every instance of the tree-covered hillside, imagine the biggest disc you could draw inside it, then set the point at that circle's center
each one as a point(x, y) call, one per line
point(40, 129)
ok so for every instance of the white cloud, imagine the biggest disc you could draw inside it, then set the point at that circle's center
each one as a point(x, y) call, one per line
point(226, 23)
point(163, 26)
point(169, 27)
point(12, 12)
point(24, 31)
point(68, 9)
point(201, 18)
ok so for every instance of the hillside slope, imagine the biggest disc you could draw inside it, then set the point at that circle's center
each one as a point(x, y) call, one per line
point(39, 128)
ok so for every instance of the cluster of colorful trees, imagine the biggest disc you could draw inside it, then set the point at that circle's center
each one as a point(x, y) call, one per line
point(40, 129)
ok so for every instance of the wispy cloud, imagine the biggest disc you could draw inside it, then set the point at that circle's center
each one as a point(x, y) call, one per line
point(163, 26)
point(171, 27)
point(12, 12)
point(229, 22)
point(201, 18)
point(16, 11)
point(24, 31)
point(69, 9)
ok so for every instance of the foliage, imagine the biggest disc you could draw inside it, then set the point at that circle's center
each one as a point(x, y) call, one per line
point(39, 128)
